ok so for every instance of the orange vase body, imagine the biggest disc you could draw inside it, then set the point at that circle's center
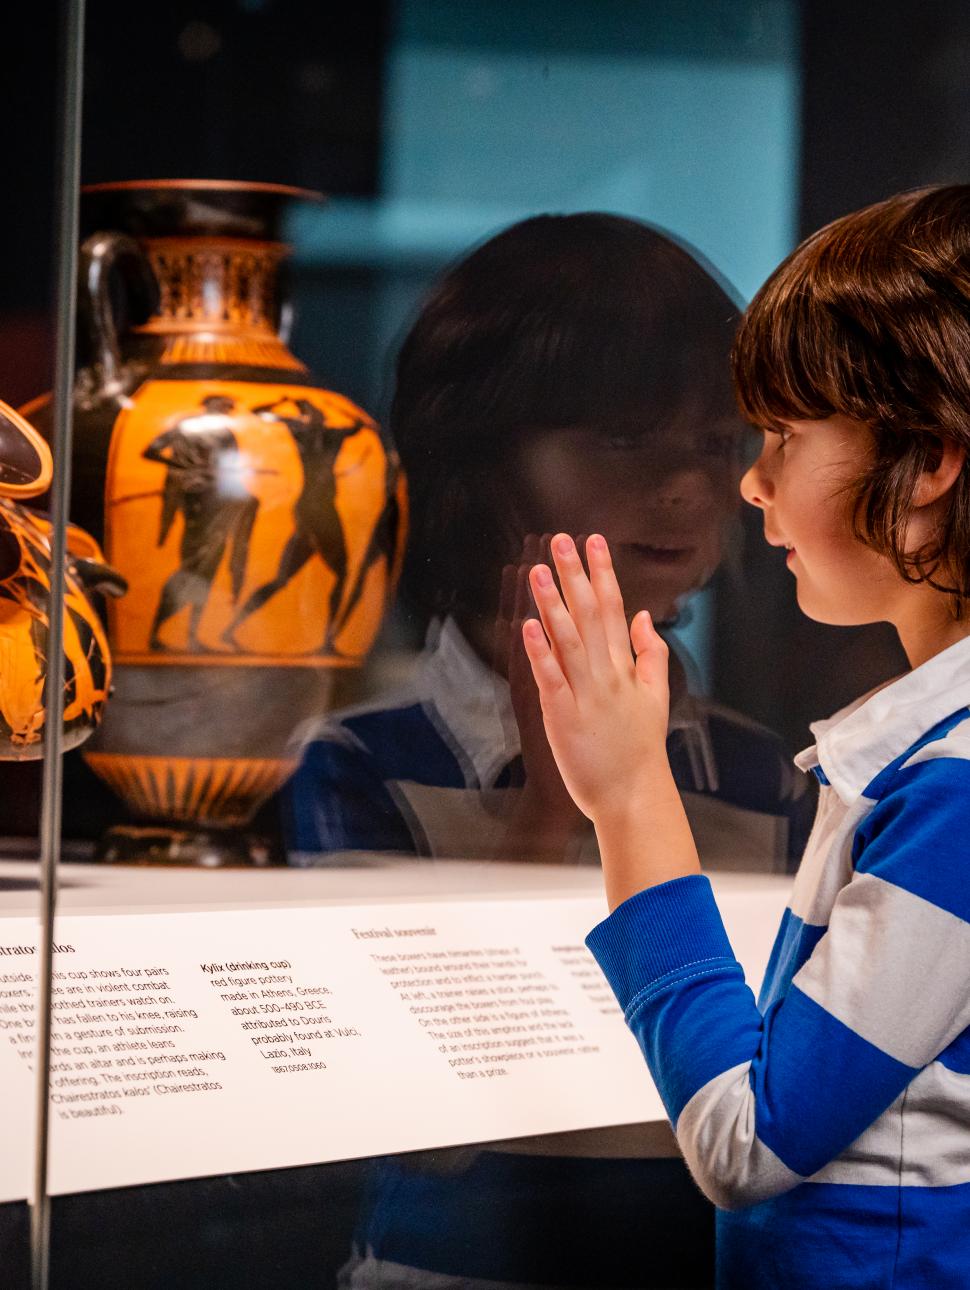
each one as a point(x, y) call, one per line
point(257, 517)
point(25, 590)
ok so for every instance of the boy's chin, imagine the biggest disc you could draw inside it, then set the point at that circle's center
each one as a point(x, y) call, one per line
point(831, 615)
point(661, 611)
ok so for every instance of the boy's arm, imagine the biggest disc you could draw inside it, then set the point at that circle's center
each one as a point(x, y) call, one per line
point(758, 1103)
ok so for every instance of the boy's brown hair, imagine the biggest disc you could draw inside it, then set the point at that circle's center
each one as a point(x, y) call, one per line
point(870, 318)
point(587, 319)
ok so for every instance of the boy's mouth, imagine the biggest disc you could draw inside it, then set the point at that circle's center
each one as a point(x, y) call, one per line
point(773, 541)
point(667, 555)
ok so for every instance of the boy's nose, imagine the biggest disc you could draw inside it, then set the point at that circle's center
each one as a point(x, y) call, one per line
point(754, 485)
point(684, 489)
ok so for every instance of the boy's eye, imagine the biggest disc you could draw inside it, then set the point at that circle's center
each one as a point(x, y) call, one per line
point(719, 445)
point(622, 442)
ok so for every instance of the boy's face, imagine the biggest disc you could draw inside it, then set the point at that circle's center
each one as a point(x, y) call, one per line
point(663, 500)
point(801, 481)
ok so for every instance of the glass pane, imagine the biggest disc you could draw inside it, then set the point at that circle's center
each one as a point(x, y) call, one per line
point(371, 305)
point(26, 356)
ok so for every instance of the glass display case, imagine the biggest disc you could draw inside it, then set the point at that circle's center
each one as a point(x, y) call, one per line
point(369, 305)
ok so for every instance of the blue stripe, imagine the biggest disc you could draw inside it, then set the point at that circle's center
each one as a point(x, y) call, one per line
point(336, 802)
point(791, 951)
point(916, 836)
point(817, 1084)
point(339, 799)
point(956, 1056)
point(668, 959)
point(696, 1029)
point(877, 787)
point(823, 1236)
point(753, 770)
point(657, 931)
point(405, 745)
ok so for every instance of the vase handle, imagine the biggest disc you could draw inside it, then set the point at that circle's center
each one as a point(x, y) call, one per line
point(100, 255)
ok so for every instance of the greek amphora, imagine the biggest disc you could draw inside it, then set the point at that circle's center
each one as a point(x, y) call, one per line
point(257, 516)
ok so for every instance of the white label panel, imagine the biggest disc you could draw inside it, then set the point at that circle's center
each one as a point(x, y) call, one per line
point(191, 1044)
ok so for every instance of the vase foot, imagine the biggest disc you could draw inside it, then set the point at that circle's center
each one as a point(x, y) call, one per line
point(194, 848)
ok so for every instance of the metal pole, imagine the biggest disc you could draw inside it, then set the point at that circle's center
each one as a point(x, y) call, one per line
point(68, 184)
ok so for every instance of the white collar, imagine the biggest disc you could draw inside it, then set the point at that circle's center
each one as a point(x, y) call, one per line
point(475, 707)
point(473, 702)
point(859, 741)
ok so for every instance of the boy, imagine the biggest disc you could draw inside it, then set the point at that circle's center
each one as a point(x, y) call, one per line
point(832, 1127)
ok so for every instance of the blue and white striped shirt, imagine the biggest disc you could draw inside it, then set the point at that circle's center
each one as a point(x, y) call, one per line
point(830, 1122)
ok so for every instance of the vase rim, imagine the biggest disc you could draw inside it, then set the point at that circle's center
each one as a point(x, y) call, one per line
point(18, 436)
point(206, 185)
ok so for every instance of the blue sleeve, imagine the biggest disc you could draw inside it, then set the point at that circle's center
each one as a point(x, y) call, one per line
point(338, 801)
point(759, 1103)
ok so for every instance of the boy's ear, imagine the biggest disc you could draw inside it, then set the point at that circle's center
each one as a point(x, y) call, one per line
point(941, 473)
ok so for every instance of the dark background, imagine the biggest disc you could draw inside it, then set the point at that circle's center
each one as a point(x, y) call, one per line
point(286, 91)
point(885, 107)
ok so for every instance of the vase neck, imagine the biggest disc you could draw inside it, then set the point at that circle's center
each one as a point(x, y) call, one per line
point(217, 300)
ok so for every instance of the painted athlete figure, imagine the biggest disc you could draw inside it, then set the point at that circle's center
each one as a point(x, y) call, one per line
point(200, 454)
point(318, 530)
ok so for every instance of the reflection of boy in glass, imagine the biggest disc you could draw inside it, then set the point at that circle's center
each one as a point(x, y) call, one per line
point(572, 373)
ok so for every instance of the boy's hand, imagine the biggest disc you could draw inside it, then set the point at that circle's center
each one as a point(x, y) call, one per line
point(605, 712)
point(545, 821)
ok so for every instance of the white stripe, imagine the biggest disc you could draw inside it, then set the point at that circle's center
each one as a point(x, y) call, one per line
point(716, 1132)
point(731, 837)
point(856, 745)
point(827, 863)
point(888, 968)
point(922, 1140)
point(956, 745)
point(936, 1129)
point(456, 821)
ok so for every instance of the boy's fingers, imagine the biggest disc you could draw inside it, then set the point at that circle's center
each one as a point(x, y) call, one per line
point(607, 592)
point(531, 548)
point(564, 638)
point(651, 650)
point(506, 597)
point(518, 665)
point(524, 606)
point(552, 684)
point(643, 634)
point(581, 600)
point(516, 601)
